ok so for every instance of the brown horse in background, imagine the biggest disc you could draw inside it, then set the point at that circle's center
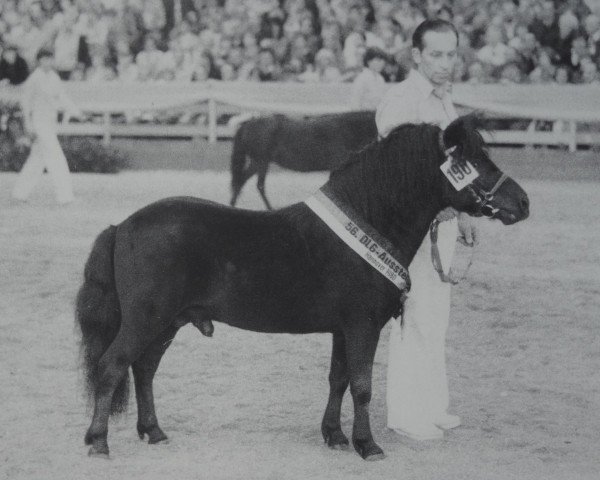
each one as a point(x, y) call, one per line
point(305, 145)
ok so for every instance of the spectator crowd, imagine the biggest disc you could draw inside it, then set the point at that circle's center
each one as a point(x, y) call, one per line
point(507, 41)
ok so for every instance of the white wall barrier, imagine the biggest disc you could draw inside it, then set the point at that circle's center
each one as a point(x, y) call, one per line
point(563, 105)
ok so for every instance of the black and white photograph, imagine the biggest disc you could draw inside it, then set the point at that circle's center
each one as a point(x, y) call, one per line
point(299, 239)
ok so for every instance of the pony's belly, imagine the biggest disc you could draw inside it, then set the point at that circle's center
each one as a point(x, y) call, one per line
point(272, 316)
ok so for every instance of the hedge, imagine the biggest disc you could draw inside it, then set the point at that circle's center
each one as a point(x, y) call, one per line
point(84, 154)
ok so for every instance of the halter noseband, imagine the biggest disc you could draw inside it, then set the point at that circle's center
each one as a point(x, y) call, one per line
point(484, 198)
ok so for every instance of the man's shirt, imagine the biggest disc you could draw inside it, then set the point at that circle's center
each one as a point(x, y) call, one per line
point(43, 96)
point(413, 101)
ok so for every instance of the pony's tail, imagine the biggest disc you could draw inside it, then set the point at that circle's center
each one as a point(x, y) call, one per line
point(99, 316)
point(238, 161)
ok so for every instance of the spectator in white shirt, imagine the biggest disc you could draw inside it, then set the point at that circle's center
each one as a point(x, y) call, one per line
point(509, 19)
point(100, 70)
point(127, 70)
point(476, 74)
point(148, 59)
point(494, 54)
point(589, 72)
point(408, 16)
point(66, 46)
point(28, 37)
point(369, 86)
point(591, 25)
point(324, 70)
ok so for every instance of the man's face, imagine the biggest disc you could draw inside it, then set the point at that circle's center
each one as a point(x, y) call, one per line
point(46, 63)
point(437, 59)
point(376, 64)
point(591, 24)
point(265, 62)
point(493, 36)
point(509, 9)
point(433, 7)
point(548, 12)
point(10, 55)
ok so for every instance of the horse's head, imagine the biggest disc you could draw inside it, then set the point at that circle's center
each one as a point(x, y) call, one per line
point(475, 185)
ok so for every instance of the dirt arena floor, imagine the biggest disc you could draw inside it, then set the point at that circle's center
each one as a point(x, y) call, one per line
point(523, 346)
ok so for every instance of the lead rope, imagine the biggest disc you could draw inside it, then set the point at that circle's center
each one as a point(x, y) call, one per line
point(436, 260)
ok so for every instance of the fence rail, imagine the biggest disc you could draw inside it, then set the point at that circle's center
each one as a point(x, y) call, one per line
point(566, 106)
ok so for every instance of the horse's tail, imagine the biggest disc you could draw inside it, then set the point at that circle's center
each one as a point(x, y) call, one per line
point(238, 162)
point(99, 316)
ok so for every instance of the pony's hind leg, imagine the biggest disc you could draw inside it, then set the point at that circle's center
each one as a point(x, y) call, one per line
point(338, 383)
point(129, 344)
point(260, 185)
point(240, 180)
point(144, 369)
point(112, 367)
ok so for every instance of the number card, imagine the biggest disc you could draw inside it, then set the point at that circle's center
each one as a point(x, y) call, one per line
point(459, 174)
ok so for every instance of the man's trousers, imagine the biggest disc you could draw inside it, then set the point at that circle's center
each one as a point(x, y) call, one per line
point(417, 387)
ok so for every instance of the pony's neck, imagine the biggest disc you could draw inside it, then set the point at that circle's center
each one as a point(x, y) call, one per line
point(404, 220)
point(405, 228)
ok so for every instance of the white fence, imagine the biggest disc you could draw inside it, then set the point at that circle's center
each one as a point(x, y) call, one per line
point(566, 106)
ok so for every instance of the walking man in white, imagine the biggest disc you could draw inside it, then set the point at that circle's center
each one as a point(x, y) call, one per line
point(43, 96)
point(417, 387)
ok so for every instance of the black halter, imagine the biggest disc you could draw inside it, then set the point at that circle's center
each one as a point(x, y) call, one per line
point(483, 198)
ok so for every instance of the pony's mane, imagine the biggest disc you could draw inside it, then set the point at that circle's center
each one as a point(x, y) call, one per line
point(391, 169)
point(464, 132)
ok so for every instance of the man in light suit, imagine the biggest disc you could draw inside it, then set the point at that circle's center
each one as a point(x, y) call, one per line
point(43, 96)
point(417, 387)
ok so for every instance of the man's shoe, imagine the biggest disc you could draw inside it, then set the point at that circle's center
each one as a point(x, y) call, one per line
point(447, 421)
point(421, 432)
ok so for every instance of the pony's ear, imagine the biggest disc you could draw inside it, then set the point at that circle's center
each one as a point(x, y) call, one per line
point(459, 132)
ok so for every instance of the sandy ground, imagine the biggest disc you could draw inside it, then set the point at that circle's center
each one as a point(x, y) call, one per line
point(523, 353)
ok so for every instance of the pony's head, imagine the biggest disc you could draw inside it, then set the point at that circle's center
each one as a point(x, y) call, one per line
point(474, 184)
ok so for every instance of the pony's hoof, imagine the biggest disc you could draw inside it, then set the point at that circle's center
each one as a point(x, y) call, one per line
point(155, 434)
point(368, 450)
point(375, 457)
point(339, 446)
point(336, 440)
point(98, 452)
point(159, 441)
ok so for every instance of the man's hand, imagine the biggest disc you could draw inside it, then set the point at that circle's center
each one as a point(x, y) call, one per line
point(446, 214)
point(467, 233)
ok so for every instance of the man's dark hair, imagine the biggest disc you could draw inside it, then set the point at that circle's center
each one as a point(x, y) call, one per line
point(436, 25)
point(44, 52)
point(374, 52)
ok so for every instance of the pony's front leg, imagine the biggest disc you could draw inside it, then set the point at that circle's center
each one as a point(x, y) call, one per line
point(144, 369)
point(361, 344)
point(338, 383)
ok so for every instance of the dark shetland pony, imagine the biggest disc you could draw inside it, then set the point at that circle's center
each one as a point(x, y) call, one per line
point(317, 144)
point(183, 260)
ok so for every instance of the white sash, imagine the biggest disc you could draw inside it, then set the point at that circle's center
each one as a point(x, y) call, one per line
point(367, 245)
